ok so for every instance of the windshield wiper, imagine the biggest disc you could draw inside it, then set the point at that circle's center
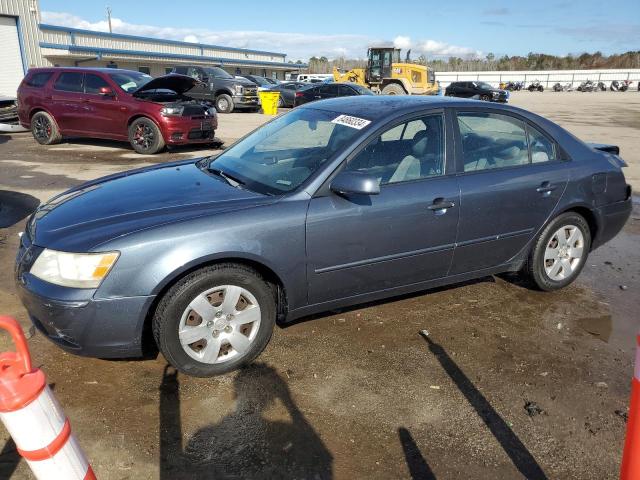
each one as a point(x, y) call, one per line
point(230, 179)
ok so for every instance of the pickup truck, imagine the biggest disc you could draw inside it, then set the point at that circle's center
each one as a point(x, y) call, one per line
point(225, 91)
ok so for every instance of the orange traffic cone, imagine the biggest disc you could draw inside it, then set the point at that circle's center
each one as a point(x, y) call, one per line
point(630, 469)
point(34, 417)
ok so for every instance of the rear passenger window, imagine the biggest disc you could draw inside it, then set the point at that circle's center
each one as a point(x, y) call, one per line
point(542, 149)
point(69, 82)
point(492, 140)
point(38, 79)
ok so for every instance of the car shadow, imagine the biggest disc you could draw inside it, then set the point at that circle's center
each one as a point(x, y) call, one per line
point(398, 298)
point(243, 444)
point(4, 138)
point(521, 458)
point(15, 206)
point(122, 145)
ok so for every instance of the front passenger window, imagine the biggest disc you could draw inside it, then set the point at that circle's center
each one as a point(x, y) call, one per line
point(395, 157)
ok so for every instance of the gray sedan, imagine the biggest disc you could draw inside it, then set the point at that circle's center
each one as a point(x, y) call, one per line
point(336, 203)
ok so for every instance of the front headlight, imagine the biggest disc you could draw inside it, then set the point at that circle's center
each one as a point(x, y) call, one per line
point(239, 89)
point(172, 111)
point(76, 270)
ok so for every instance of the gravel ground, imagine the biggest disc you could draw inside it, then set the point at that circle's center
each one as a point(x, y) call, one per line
point(508, 382)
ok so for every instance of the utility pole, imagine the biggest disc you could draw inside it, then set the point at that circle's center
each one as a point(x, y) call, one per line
point(109, 18)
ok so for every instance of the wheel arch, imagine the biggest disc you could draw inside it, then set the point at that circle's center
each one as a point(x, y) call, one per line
point(222, 91)
point(397, 81)
point(255, 263)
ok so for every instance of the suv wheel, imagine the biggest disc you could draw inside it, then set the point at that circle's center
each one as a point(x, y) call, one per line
point(560, 252)
point(215, 320)
point(145, 136)
point(45, 129)
point(224, 103)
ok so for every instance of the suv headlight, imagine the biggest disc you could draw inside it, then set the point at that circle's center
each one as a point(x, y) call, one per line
point(172, 111)
point(239, 89)
point(76, 270)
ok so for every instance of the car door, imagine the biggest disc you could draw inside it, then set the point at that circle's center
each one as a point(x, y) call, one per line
point(67, 102)
point(105, 114)
point(507, 190)
point(402, 236)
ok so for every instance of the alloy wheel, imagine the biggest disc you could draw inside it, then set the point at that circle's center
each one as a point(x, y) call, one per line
point(143, 136)
point(42, 128)
point(564, 252)
point(219, 324)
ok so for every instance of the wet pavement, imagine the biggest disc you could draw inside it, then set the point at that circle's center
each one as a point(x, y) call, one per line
point(503, 381)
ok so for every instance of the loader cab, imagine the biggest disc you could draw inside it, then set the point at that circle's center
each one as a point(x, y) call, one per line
point(380, 64)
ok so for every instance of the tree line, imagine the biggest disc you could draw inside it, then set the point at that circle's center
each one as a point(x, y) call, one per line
point(533, 61)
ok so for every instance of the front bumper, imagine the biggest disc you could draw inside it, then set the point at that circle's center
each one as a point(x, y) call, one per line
point(76, 321)
point(187, 130)
point(245, 101)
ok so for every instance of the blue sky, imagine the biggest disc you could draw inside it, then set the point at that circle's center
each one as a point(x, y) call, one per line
point(333, 28)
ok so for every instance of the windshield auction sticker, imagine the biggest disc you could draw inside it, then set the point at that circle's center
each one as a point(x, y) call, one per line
point(353, 122)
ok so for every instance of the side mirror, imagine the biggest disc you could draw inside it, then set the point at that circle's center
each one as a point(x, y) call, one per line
point(355, 183)
point(106, 92)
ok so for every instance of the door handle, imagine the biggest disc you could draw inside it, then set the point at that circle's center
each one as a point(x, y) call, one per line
point(441, 204)
point(546, 187)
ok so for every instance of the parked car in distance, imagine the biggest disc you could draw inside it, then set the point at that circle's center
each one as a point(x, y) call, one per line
point(312, 77)
point(478, 91)
point(9, 121)
point(321, 91)
point(332, 204)
point(226, 92)
point(115, 104)
point(287, 92)
point(262, 82)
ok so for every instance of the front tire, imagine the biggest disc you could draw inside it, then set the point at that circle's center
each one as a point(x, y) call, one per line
point(224, 103)
point(145, 136)
point(559, 253)
point(45, 129)
point(215, 320)
point(393, 89)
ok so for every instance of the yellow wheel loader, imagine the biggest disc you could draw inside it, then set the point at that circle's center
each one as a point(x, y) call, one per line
point(386, 74)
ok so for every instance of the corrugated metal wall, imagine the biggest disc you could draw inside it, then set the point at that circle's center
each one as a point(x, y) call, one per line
point(28, 21)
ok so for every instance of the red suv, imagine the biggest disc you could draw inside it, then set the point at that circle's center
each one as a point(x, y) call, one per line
point(115, 104)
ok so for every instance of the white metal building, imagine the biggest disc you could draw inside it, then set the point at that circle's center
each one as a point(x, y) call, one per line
point(25, 43)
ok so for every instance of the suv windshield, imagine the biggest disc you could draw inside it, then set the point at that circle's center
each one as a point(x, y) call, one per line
point(484, 85)
point(130, 81)
point(217, 72)
point(280, 156)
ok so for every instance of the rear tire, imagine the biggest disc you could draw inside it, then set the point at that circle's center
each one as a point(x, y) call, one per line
point(393, 89)
point(218, 340)
point(45, 129)
point(145, 136)
point(224, 103)
point(559, 253)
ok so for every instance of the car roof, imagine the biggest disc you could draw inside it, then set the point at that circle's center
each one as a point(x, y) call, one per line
point(376, 107)
point(84, 69)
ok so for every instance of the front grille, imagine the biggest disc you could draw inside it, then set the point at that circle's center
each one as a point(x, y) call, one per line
point(197, 134)
point(193, 110)
point(250, 90)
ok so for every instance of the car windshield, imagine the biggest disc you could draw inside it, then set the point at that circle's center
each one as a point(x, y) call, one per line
point(484, 85)
point(280, 156)
point(130, 81)
point(263, 82)
point(217, 72)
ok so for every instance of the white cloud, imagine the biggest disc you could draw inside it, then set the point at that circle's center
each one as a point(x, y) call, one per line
point(295, 45)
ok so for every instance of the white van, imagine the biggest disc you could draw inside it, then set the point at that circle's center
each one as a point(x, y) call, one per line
point(314, 77)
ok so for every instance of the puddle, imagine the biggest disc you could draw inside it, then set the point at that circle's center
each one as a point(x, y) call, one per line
point(599, 327)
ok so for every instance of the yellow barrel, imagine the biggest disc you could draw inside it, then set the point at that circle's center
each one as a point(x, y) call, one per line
point(269, 101)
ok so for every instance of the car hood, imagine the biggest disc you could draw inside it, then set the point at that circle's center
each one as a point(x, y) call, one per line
point(91, 214)
point(174, 81)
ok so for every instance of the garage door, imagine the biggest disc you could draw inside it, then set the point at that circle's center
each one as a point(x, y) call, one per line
point(11, 71)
